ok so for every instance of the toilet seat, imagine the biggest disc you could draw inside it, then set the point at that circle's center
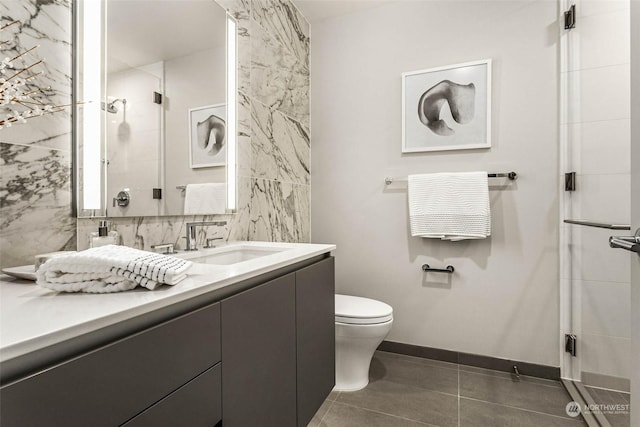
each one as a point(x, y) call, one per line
point(361, 311)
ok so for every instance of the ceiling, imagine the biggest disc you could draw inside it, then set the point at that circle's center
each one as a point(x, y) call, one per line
point(139, 34)
point(319, 10)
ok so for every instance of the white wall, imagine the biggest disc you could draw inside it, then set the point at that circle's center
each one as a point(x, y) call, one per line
point(191, 81)
point(503, 299)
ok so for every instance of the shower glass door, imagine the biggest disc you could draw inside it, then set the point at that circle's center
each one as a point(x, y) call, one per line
point(134, 138)
point(595, 144)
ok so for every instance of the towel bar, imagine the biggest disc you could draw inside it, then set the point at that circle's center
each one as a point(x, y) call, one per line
point(448, 269)
point(511, 175)
point(598, 224)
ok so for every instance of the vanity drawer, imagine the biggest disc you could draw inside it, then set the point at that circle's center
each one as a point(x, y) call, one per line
point(196, 404)
point(112, 384)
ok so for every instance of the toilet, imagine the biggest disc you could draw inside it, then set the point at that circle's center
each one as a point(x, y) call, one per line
point(361, 325)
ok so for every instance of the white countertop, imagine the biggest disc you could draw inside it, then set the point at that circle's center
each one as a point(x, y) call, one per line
point(33, 318)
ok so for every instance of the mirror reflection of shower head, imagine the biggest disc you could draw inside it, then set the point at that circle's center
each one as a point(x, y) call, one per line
point(111, 107)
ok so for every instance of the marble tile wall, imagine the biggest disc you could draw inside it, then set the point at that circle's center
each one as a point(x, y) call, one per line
point(35, 157)
point(273, 152)
point(280, 144)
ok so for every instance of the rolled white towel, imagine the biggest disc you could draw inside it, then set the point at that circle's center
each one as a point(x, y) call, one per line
point(111, 268)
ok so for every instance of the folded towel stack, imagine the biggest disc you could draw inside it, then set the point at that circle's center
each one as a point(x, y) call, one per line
point(450, 206)
point(111, 268)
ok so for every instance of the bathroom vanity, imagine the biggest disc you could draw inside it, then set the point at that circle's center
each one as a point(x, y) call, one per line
point(247, 343)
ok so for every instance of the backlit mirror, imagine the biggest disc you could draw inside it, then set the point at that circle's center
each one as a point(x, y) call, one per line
point(155, 82)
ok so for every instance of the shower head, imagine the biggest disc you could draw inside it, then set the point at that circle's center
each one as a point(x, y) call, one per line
point(111, 106)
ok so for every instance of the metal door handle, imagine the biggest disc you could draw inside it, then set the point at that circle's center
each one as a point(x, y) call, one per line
point(630, 243)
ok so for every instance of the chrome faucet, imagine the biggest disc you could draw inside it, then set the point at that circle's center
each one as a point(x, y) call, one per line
point(191, 232)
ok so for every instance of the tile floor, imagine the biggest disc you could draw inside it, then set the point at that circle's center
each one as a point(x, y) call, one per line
point(610, 397)
point(406, 391)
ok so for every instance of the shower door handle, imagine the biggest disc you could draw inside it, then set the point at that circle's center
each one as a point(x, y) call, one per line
point(630, 243)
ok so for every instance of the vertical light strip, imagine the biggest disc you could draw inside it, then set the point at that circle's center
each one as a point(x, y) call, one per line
point(232, 132)
point(91, 95)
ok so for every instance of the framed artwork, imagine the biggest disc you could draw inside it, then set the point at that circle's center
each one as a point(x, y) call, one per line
point(447, 108)
point(207, 136)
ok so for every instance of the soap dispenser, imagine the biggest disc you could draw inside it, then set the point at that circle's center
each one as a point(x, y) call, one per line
point(103, 236)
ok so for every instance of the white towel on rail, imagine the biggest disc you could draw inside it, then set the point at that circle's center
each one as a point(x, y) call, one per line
point(205, 199)
point(111, 268)
point(449, 206)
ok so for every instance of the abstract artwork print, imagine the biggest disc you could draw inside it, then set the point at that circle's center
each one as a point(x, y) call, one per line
point(207, 136)
point(447, 108)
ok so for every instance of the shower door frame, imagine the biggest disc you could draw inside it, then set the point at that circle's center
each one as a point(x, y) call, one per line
point(570, 295)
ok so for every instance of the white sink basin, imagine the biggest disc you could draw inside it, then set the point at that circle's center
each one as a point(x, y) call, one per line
point(232, 255)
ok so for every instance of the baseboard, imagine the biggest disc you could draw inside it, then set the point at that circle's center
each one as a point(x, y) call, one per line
point(476, 360)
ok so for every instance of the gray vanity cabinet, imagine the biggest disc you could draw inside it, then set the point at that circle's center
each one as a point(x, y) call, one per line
point(196, 404)
point(259, 356)
point(315, 337)
point(278, 349)
point(113, 383)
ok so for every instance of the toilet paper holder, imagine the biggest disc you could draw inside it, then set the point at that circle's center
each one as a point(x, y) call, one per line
point(448, 269)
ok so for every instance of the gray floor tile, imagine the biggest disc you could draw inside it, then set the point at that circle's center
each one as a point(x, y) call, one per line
point(619, 420)
point(618, 397)
point(608, 397)
point(549, 399)
point(412, 391)
point(333, 395)
point(474, 413)
point(317, 418)
point(406, 401)
point(350, 416)
point(622, 397)
point(599, 395)
point(403, 371)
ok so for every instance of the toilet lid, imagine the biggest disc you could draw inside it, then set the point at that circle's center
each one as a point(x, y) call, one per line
point(358, 310)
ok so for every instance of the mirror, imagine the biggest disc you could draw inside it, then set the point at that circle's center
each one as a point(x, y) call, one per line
point(159, 99)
